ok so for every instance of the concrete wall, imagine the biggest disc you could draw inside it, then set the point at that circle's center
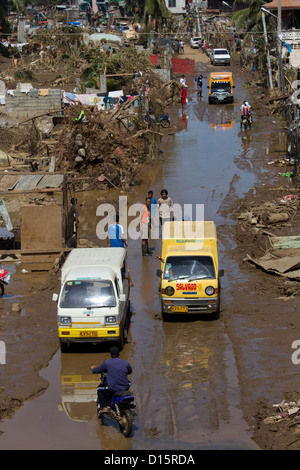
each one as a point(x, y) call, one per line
point(165, 74)
point(178, 8)
point(25, 106)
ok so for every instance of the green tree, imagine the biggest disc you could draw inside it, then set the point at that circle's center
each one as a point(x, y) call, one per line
point(16, 5)
point(135, 7)
point(248, 19)
point(156, 10)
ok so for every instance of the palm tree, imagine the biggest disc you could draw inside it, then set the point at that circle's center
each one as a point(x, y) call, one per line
point(249, 18)
point(17, 5)
point(135, 7)
point(157, 10)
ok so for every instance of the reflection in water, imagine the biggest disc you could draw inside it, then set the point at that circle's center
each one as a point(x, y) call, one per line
point(78, 390)
point(78, 399)
point(222, 126)
point(184, 120)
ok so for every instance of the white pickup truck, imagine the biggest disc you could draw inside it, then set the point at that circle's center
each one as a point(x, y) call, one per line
point(220, 56)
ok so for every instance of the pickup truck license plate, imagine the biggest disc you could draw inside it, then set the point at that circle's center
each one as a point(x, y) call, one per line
point(88, 333)
point(179, 308)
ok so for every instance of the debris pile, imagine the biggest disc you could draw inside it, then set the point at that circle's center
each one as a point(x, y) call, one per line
point(279, 425)
point(265, 228)
point(106, 149)
point(271, 213)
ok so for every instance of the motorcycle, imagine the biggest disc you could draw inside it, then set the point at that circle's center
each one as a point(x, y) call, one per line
point(4, 280)
point(164, 120)
point(119, 407)
point(246, 122)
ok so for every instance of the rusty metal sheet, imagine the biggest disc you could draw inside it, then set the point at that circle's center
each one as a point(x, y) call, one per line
point(27, 182)
point(8, 182)
point(50, 181)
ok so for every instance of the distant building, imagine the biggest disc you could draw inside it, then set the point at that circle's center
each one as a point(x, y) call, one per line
point(176, 6)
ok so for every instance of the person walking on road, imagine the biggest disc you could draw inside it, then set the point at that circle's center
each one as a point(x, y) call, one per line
point(116, 234)
point(181, 47)
point(145, 226)
point(117, 240)
point(165, 207)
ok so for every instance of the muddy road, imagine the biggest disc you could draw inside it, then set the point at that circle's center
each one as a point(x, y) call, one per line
point(196, 383)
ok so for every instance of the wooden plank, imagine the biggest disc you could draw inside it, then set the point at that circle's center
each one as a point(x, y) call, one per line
point(30, 191)
point(32, 251)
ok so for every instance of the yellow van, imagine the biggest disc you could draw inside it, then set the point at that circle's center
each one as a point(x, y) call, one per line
point(189, 274)
point(220, 87)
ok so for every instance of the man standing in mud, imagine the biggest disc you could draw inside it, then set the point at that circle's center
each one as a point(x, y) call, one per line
point(145, 226)
point(116, 234)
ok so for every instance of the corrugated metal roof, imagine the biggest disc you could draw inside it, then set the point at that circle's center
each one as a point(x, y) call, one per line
point(27, 182)
point(30, 182)
point(8, 182)
point(50, 181)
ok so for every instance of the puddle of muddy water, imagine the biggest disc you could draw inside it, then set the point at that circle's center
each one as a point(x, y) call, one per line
point(184, 378)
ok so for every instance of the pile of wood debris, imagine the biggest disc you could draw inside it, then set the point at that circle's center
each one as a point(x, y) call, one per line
point(107, 147)
point(266, 229)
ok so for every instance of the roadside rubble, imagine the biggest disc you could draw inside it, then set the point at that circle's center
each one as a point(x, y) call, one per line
point(267, 229)
point(278, 425)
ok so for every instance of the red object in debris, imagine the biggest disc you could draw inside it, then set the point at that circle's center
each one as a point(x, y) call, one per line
point(289, 197)
point(101, 177)
point(5, 275)
point(153, 59)
point(119, 151)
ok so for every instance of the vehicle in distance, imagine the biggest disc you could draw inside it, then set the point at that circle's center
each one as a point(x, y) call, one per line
point(220, 56)
point(194, 42)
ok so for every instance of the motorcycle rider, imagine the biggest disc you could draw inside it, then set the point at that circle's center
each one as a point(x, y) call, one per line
point(246, 111)
point(116, 370)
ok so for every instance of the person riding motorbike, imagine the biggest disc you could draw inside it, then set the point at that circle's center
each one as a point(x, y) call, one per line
point(246, 111)
point(116, 370)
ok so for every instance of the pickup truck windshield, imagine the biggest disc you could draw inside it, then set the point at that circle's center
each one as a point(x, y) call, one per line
point(221, 86)
point(221, 52)
point(88, 293)
point(189, 267)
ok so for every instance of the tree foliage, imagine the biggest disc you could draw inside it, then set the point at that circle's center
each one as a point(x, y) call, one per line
point(249, 18)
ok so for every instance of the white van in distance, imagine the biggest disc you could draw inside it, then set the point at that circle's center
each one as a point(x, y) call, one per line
point(93, 304)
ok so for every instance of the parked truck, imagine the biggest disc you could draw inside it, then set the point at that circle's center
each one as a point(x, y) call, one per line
point(189, 274)
point(93, 304)
point(220, 57)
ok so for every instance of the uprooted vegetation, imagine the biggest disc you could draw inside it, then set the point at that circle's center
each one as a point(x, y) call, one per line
point(112, 145)
point(108, 143)
point(70, 58)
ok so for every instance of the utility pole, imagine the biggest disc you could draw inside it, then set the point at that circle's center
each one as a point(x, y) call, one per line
point(198, 20)
point(279, 39)
point(267, 50)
